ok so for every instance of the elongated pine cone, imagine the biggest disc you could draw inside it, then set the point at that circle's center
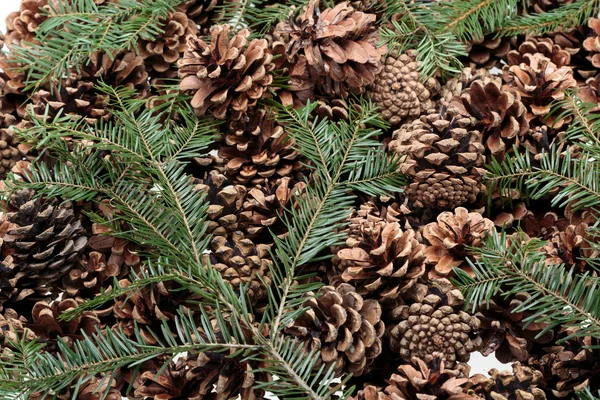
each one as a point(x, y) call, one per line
point(434, 323)
point(398, 90)
point(226, 76)
point(345, 328)
point(339, 45)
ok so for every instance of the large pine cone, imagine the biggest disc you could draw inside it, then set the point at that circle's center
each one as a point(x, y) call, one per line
point(345, 328)
point(444, 157)
point(434, 323)
point(398, 90)
point(521, 384)
point(44, 245)
point(339, 45)
point(226, 75)
point(380, 258)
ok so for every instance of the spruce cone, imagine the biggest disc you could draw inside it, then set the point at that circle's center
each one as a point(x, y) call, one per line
point(380, 259)
point(398, 90)
point(434, 323)
point(227, 76)
point(258, 148)
point(450, 236)
point(44, 245)
point(339, 45)
point(521, 384)
point(345, 328)
point(424, 381)
point(444, 159)
point(498, 113)
point(22, 25)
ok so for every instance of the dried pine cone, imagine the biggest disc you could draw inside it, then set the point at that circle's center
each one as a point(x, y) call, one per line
point(434, 323)
point(444, 157)
point(450, 236)
point(456, 86)
point(345, 328)
point(398, 90)
point(21, 26)
point(203, 12)
point(227, 76)
point(339, 45)
point(11, 151)
point(486, 52)
point(521, 384)
point(592, 43)
point(122, 69)
point(544, 46)
point(12, 327)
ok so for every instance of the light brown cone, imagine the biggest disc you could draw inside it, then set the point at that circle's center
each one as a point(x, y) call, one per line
point(521, 384)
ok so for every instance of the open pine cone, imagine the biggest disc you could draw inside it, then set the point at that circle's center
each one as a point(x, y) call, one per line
point(21, 26)
point(521, 384)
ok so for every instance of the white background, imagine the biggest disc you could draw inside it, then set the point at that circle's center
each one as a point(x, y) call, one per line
point(478, 363)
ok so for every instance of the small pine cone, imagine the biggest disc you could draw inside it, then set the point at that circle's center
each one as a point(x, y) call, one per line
point(380, 259)
point(21, 26)
point(539, 82)
point(434, 323)
point(226, 76)
point(486, 52)
point(240, 261)
point(398, 90)
point(444, 156)
point(450, 236)
point(256, 148)
point(522, 383)
point(339, 44)
point(164, 50)
point(424, 381)
point(497, 112)
point(345, 328)
point(122, 69)
point(544, 46)
point(44, 245)
point(456, 86)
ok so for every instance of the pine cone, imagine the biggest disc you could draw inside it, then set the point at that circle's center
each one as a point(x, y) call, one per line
point(450, 236)
point(300, 84)
point(499, 113)
point(203, 12)
point(21, 26)
point(12, 327)
point(398, 90)
point(539, 82)
point(339, 44)
point(163, 52)
point(444, 156)
point(592, 43)
point(521, 384)
point(44, 245)
point(332, 109)
point(380, 259)
point(345, 328)
point(226, 76)
point(424, 381)
point(486, 52)
point(11, 151)
point(257, 148)
point(454, 87)
point(122, 69)
point(434, 323)
point(543, 46)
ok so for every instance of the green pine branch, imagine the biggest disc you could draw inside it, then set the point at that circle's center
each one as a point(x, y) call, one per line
point(584, 127)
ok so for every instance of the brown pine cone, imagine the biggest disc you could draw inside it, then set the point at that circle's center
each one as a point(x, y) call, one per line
point(450, 236)
point(21, 26)
point(12, 327)
point(521, 384)
point(256, 148)
point(444, 157)
point(544, 46)
point(203, 12)
point(300, 86)
point(398, 90)
point(162, 53)
point(345, 328)
point(434, 323)
point(332, 109)
point(592, 43)
point(227, 76)
point(498, 113)
point(339, 45)
point(123, 69)
point(380, 259)
point(11, 150)
point(486, 52)
point(454, 87)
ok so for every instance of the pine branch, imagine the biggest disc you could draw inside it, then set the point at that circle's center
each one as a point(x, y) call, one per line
point(584, 127)
point(587, 395)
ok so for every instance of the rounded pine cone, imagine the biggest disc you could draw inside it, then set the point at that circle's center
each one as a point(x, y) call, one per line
point(226, 76)
point(459, 84)
point(345, 328)
point(434, 323)
point(398, 90)
point(521, 384)
point(338, 44)
point(444, 158)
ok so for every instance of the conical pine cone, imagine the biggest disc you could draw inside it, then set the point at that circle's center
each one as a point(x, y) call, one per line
point(345, 328)
point(227, 76)
point(380, 258)
point(444, 158)
point(339, 45)
point(398, 90)
point(449, 237)
point(434, 323)
point(521, 384)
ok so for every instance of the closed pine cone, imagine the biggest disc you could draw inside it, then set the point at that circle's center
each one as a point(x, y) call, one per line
point(444, 158)
point(424, 381)
point(339, 45)
point(257, 148)
point(398, 90)
point(344, 327)
point(11, 151)
point(521, 384)
point(450, 236)
point(226, 76)
point(434, 322)
point(380, 258)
